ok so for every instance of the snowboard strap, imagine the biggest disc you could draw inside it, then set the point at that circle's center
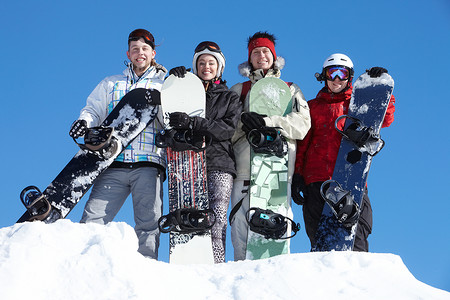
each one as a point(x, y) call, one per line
point(36, 203)
point(268, 140)
point(182, 140)
point(361, 135)
point(187, 220)
point(100, 140)
point(270, 224)
point(341, 202)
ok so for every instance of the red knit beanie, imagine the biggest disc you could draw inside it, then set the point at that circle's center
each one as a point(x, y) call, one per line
point(261, 42)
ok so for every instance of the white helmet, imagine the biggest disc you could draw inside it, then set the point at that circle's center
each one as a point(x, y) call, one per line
point(213, 49)
point(338, 59)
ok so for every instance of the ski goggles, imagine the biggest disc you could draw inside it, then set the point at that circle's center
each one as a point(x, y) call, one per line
point(144, 34)
point(337, 71)
point(207, 45)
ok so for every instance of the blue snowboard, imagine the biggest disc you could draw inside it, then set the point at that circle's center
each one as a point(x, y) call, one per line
point(368, 105)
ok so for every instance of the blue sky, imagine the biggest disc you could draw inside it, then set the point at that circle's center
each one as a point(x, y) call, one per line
point(54, 54)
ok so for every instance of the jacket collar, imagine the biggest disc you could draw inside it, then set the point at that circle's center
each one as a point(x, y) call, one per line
point(157, 71)
point(245, 69)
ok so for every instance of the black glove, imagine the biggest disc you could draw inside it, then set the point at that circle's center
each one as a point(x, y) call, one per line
point(78, 129)
point(375, 72)
point(298, 186)
point(179, 120)
point(252, 120)
point(178, 71)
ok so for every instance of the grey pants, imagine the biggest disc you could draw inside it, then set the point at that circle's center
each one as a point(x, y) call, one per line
point(109, 193)
point(239, 225)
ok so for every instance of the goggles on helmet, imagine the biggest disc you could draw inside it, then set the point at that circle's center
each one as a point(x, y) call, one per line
point(144, 34)
point(337, 71)
point(207, 45)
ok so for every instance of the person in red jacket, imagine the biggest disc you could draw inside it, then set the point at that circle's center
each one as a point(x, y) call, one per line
point(318, 151)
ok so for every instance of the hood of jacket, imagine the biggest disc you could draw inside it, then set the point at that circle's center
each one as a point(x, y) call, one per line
point(245, 69)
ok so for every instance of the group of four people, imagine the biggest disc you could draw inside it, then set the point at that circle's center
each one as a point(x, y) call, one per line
point(140, 169)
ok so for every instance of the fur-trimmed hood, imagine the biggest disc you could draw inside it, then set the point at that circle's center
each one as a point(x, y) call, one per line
point(245, 68)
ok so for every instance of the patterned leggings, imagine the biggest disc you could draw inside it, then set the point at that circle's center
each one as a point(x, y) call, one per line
point(220, 185)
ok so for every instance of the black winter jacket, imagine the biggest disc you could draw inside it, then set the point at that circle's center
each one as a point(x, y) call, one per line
point(223, 111)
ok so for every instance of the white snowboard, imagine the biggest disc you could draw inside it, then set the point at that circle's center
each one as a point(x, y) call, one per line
point(186, 170)
point(183, 94)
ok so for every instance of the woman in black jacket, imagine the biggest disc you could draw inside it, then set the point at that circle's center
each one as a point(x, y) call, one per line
point(223, 110)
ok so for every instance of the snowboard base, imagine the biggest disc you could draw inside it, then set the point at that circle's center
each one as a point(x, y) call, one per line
point(269, 173)
point(196, 250)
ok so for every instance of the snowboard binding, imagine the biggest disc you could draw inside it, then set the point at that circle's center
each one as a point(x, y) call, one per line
point(270, 224)
point(342, 204)
point(36, 203)
point(361, 135)
point(187, 220)
point(268, 140)
point(182, 140)
point(100, 140)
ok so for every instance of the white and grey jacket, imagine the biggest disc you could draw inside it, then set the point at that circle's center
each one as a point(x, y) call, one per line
point(105, 97)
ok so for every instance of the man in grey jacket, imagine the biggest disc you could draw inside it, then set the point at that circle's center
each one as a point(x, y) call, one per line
point(140, 168)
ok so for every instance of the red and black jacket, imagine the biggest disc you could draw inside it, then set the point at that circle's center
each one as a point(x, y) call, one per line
point(317, 152)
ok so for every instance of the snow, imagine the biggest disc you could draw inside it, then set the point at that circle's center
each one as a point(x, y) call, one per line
point(197, 252)
point(66, 260)
point(365, 80)
point(272, 93)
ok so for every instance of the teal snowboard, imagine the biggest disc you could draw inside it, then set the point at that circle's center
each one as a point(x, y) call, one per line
point(269, 173)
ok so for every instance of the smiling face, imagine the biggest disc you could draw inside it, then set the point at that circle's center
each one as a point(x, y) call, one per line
point(261, 58)
point(337, 85)
point(141, 55)
point(207, 67)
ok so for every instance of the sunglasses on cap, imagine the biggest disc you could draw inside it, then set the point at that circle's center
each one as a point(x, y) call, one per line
point(207, 45)
point(337, 71)
point(144, 34)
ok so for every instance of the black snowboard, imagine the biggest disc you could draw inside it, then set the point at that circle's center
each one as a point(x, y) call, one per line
point(360, 143)
point(134, 112)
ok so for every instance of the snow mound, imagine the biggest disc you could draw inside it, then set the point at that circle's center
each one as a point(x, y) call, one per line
point(68, 260)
